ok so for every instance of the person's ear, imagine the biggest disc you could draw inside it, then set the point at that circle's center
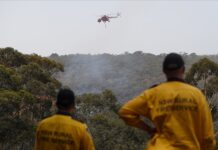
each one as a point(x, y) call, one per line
point(183, 69)
point(72, 108)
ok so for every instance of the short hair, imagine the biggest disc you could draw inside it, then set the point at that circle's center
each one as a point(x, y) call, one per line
point(65, 98)
point(172, 62)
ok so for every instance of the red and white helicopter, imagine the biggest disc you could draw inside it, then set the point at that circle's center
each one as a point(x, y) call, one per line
point(106, 18)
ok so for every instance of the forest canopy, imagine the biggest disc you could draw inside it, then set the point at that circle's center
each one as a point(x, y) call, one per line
point(126, 75)
point(27, 90)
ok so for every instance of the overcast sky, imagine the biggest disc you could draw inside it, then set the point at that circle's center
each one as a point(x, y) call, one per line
point(69, 27)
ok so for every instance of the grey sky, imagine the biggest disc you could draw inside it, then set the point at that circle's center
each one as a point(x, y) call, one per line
point(69, 27)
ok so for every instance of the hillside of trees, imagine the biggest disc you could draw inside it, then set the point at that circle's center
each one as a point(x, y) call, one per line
point(126, 75)
point(27, 90)
point(29, 84)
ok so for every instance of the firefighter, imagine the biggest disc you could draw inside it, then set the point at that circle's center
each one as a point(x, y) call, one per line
point(179, 112)
point(61, 131)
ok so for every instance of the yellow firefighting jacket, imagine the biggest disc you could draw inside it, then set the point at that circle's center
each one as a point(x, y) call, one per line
point(180, 114)
point(61, 132)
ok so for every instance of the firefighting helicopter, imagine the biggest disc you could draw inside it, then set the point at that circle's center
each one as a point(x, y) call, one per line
point(106, 18)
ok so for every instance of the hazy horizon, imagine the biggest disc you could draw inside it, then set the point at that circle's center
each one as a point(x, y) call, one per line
point(71, 27)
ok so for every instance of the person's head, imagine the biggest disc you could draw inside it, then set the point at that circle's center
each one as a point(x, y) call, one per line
point(173, 66)
point(65, 99)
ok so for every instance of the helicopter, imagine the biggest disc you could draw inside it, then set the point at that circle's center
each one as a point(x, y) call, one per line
point(106, 18)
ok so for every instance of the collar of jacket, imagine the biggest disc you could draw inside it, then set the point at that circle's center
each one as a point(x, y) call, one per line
point(175, 79)
point(64, 113)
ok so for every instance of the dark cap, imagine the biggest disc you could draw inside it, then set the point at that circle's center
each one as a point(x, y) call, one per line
point(65, 98)
point(173, 61)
